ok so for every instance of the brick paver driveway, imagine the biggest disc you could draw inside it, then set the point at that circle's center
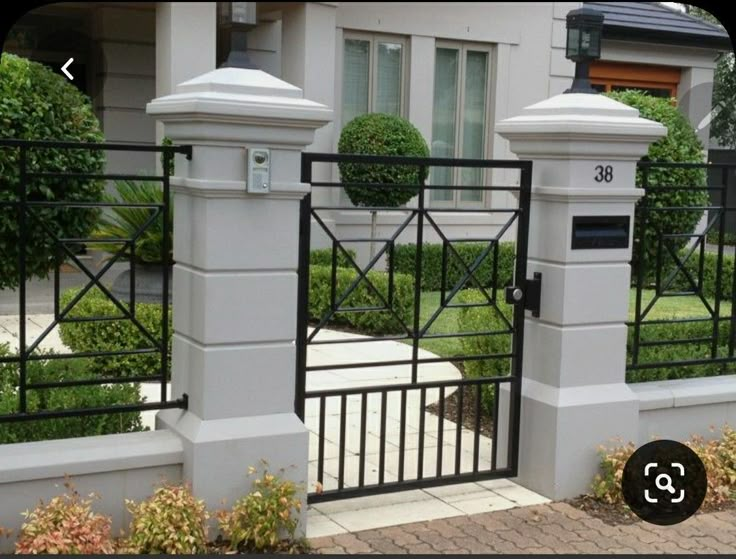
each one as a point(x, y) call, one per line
point(549, 528)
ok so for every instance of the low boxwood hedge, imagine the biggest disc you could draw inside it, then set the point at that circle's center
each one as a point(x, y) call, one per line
point(113, 335)
point(56, 370)
point(366, 322)
point(404, 262)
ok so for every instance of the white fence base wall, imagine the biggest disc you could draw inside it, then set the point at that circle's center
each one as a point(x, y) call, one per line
point(678, 409)
point(115, 467)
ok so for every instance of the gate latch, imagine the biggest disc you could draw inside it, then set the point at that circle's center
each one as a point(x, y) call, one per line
point(529, 294)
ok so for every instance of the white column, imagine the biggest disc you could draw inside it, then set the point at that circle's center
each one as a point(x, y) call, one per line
point(574, 394)
point(186, 44)
point(308, 43)
point(235, 280)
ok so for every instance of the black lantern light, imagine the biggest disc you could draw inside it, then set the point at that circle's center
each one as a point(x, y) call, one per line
point(584, 30)
point(235, 19)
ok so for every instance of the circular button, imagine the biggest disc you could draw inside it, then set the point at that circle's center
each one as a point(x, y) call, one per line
point(664, 482)
point(517, 294)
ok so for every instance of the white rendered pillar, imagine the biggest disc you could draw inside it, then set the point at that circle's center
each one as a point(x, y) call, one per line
point(235, 278)
point(584, 150)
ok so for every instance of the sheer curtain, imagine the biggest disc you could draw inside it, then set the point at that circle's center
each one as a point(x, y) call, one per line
point(474, 118)
point(444, 123)
point(356, 71)
point(388, 79)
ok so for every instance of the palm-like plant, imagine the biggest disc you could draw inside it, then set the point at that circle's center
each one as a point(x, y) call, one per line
point(134, 220)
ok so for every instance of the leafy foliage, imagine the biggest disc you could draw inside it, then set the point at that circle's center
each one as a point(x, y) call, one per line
point(263, 520)
point(405, 262)
point(129, 222)
point(65, 526)
point(170, 521)
point(113, 335)
point(374, 322)
point(682, 145)
point(485, 319)
point(323, 257)
point(381, 134)
point(56, 370)
point(718, 456)
point(37, 104)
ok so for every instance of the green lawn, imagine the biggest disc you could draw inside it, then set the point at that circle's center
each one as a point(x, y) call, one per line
point(665, 307)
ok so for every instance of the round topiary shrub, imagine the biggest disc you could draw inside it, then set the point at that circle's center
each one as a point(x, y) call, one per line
point(681, 144)
point(381, 134)
point(37, 104)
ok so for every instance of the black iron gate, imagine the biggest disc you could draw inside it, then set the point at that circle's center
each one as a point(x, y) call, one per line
point(383, 416)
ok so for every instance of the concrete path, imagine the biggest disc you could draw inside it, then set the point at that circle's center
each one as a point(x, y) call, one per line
point(345, 516)
point(547, 528)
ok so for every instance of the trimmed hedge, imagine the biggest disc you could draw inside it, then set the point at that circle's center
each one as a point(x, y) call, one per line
point(484, 319)
point(371, 322)
point(323, 257)
point(37, 104)
point(54, 370)
point(710, 264)
point(114, 335)
point(405, 259)
point(681, 144)
point(381, 134)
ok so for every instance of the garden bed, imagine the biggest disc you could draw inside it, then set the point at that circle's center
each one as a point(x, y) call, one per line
point(468, 414)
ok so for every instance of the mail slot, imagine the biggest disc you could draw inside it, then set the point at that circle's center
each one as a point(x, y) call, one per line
point(600, 231)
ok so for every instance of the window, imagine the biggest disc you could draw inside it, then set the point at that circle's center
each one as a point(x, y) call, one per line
point(460, 119)
point(658, 81)
point(373, 75)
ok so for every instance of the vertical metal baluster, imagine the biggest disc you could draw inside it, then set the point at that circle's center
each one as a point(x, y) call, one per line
point(382, 453)
point(333, 276)
point(420, 453)
point(343, 417)
point(494, 271)
point(363, 418)
point(511, 434)
point(440, 430)
point(443, 276)
point(418, 283)
point(165, 248)
point(132, 279)
point(476, 435)
point(640, 277)
point(459, 428)
point(22, 285)
point(402, 434)
point(719, 271)
point(321, 440)
point(59, 260)
point(302, 310)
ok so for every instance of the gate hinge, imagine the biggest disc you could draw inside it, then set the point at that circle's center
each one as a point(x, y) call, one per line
point(529, 293)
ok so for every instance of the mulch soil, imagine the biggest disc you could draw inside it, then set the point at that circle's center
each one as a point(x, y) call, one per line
point(468, 413)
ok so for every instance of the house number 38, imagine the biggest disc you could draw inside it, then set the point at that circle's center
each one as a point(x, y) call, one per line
point(604, 174)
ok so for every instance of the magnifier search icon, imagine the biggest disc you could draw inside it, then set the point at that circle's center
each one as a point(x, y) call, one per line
point(666, 484)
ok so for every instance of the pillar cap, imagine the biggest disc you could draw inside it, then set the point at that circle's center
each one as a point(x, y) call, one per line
point(582, 124)
point(237, 96)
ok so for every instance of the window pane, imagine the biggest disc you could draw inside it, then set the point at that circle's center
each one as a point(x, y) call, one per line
point(388, 79)
point(443, 117)
point(356, 67)
point(474, 118)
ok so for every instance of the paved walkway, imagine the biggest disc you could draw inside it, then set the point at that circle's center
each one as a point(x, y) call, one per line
point(546, 528)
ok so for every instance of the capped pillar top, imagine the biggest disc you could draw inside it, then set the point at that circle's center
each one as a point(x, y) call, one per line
point(580, 126)
point(227, 104)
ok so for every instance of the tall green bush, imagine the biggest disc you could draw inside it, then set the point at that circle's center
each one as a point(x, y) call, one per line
point(681, 145)
point(37, 104)
point(381, 134)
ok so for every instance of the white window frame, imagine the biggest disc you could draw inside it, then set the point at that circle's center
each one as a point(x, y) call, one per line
point(373, 39)
point(463, 48)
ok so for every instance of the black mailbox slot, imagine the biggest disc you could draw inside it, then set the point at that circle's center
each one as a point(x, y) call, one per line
point(600, 231)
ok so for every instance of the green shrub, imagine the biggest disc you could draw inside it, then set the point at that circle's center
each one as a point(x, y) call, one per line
point(405, 262)
point(115, 335)
point(366, 322)
point(323, 257)
point(128, 222)
point(381, 134)
point(265, 519)
point(37, 104)
point(485, 319)
point(681, 144)
point(170, 521)
point(55, 399)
